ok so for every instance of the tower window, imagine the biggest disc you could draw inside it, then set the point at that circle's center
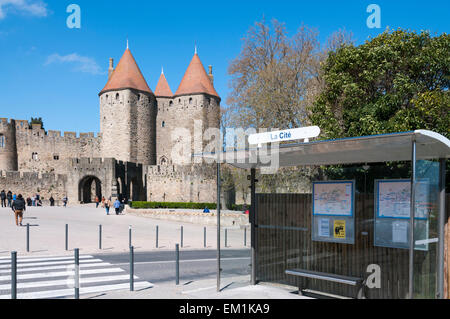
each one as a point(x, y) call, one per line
point(163, 124)
point(34, 156)
point(170, 103)
point(2, 141)
point(117, 96)
point(190, 101)
point(139, 97)
point(56, 157)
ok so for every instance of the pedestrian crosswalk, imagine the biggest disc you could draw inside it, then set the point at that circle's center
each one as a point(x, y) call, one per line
point(53, 277)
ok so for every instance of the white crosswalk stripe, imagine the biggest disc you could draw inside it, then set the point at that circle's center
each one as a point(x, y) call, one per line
point(53, 277)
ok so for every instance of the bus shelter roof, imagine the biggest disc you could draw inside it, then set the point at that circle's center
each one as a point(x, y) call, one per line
point(367, 149)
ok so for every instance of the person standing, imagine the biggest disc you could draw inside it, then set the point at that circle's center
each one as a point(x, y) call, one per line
point(3, 198)
point(65, 199)
point(9, 198)
point(18, 207)
point(52, 201)
point(117, 206)
point(33, 200)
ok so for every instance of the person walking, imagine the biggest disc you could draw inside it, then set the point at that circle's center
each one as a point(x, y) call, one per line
point(33, 200)
point(107, 205)
point(18, 207)
point(52, 201)
point(9, 198)
point(3, 198)
point(14, 197)
point(65, 199)
point(117, 206)
point(97, 201)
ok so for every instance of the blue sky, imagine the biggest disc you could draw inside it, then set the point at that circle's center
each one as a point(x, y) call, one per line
point(48, 70)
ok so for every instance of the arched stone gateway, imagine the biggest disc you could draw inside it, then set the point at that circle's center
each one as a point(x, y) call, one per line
point(88, 188)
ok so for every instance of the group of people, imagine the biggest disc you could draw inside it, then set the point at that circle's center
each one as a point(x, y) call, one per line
point(107, 204)
point(8, 198)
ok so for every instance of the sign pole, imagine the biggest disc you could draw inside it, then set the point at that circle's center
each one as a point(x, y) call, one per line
point(218, 225)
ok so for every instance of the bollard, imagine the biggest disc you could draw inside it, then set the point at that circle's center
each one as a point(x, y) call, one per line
point(100, 237)
point(157, 234)
point(204, 237)
point(131, 268)
point(77, 273)
point(129, 236)
point(181, 236)
point(245, 237)
point(177, 264)
point(28, 237)
point(13, 275)
point(226, 237)
point(67, 237)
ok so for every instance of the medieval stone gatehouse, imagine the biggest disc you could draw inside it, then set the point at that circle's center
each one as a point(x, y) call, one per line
point(131, 157)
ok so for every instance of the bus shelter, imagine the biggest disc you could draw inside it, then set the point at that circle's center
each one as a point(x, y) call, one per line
point(385, 232)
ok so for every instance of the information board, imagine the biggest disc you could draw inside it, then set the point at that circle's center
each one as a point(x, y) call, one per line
point(393, 212)
point(333, 198)
point(333, 212)
point(394, 199)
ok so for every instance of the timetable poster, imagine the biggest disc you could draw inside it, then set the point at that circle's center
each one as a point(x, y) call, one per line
point(333, 198)
point(394, 199)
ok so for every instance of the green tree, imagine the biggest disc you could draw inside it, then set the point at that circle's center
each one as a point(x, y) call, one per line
point(397, 81)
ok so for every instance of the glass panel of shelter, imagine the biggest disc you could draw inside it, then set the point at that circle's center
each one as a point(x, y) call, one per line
point(426, 230)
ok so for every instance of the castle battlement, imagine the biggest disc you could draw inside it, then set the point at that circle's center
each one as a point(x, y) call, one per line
point(6, 123)
point(31, 177)
point(23, 126)
point(92, 162)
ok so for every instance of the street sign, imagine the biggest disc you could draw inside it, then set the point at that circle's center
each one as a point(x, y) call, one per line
point(303, 133)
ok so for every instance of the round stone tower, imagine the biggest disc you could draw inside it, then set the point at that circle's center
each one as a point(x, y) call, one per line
point(8, 147)
point(128, 114)
point(198, 102)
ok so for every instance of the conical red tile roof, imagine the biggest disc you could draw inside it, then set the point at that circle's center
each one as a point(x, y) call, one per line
point(196, 80)
point(127, 75)
point(163, 88)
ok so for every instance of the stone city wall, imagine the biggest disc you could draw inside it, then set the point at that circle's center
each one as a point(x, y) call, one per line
point(50, 152)
point(28, 184)
point(192, 183)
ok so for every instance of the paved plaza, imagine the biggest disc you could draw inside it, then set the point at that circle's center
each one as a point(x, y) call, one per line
point(47, 232)
point(47, 270)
